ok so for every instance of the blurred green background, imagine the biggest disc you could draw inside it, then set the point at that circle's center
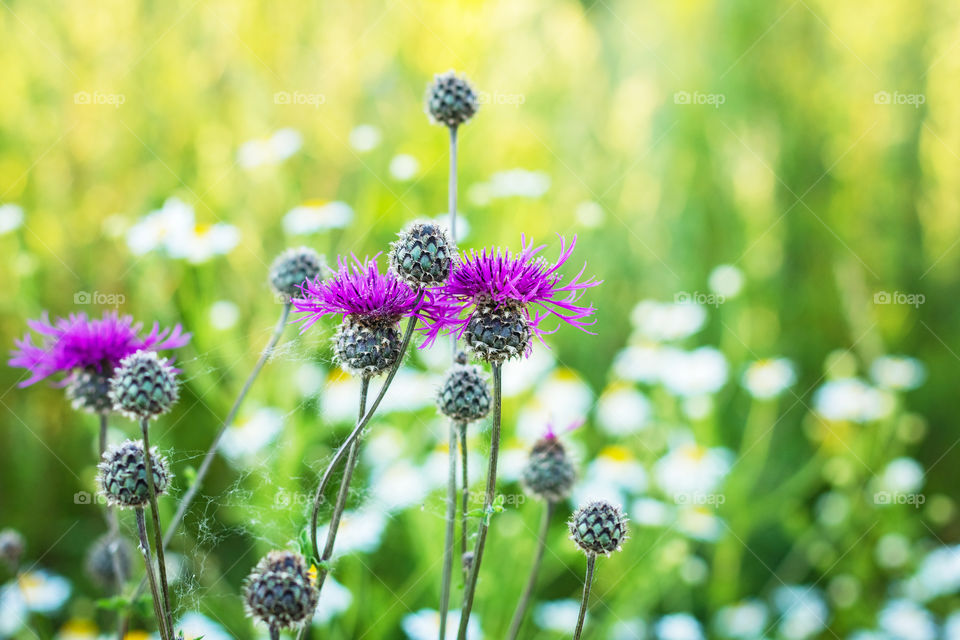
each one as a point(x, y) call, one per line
point(813, 145)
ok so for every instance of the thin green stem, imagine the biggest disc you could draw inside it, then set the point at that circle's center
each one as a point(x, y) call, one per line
point(211, 452)
point(534, 571)
point(157, 530)
point(345, 447)
point(471, 586)
point(151, 578)
point(452, 185)
point(465, 496)
point(591, 561)
point(113, 530)
point(451, 527)
point(344, 490)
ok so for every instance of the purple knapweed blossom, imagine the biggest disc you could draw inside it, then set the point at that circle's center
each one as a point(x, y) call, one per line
point(360, 291)
point(499, 299)
point(77, 342)
point(372, 304)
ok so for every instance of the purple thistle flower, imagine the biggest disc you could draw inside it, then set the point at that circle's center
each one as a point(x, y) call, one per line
point(358, 290)
point(77, 343)
point(491, 294)
point(371, 303)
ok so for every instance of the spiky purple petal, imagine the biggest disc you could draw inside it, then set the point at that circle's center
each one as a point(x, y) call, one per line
point(525, 278)
point(79, 342)
point(358, 289)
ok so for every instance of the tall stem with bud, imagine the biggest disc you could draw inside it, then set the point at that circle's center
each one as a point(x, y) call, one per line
point(471, 586)
point(588, 580)
point(157, 531)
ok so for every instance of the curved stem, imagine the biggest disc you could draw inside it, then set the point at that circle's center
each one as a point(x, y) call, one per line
point(344, 448)
point(471, 585)
point(534, 571)
point(151, 578)
point(591, 561)
point(157, 531)
point(211, 452)
point(113, 530)
point(465, 496)
point(344, 490)
point(451, 521)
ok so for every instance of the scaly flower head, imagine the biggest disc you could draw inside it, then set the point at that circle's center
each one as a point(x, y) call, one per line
point(372, 304)
point(77, 342)
point(499, 299)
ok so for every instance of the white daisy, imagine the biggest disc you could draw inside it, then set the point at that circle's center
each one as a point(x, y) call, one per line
point(851, 399)
point(803, 611)
point(693, 373)
point(667, 321)
point(906, 620)
point(691, 473)
point(243, 440)
point(365, 137)
point(224, 315)
point(765, 379)
point(652, 513)
point(898, 373)
point(404, 167)
point(196, 625)
point(425, 625)
point(336, 600)
point(678, 626)
point(175, 219)
point(317, 215)
point(557, 615)
point(639, 363)
point(399, 486)
point(725, 280)
point(360, 532)
point(938, 574)
point(525, 373)
point(11, 218)
point(271, 150)
point(745, 620)
point(590, 214)
point(622, 410)
point(203, 242)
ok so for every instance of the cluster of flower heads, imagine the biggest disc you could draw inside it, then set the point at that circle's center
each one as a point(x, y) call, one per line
point(89, 352)
point(495, 299)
